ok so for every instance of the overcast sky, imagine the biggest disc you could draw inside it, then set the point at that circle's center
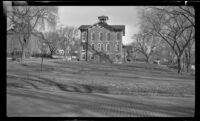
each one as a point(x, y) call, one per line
point(87, 15)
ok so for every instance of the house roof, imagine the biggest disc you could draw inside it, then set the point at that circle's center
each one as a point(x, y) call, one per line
point(105, 25)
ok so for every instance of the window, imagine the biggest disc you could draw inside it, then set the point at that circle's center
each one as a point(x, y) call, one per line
point(93, 36)
point(117, 47)
point(108, 36)
point(84, 35)
point(118, 35)
point(92, 45)
point(102, 47)
point(84, 47)
point(101, 36)
point(83, 56)
point(107, 47)
point(99, 46)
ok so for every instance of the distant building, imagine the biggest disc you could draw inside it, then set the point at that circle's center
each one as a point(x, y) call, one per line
point(13, 42)
point(102, 37)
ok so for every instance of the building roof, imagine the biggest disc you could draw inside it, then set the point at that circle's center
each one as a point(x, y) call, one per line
point(84, 27)
point(103, 17)
point(105, 25)
point(10, 31)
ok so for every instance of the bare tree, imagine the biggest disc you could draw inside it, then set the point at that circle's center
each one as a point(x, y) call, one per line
point(146, 44)
point(68, 37)
point(172, 25)
point(188, 54)
point(28, 20)
point(187, 12)
point(52, 41)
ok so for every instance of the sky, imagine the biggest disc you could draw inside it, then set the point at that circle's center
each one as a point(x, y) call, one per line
point(88, 15)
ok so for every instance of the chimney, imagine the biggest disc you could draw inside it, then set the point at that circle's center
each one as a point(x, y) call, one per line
point(103, 19)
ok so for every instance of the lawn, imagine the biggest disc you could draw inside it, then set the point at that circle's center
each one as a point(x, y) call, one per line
point(137, 79)
point(131, 79)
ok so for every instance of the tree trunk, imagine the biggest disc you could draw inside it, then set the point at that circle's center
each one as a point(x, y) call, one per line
point(183, 63)
point(147, 59)
point(187, 66)
point(64, 54)
point(22, 54)
point(24, 46)
point(188, 62)
point(41, 63)
point(179, 64)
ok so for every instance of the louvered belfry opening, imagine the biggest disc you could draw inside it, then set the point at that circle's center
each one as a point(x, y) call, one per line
point(103, 19)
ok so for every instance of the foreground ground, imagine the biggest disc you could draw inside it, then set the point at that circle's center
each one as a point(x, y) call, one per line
point(83, 89)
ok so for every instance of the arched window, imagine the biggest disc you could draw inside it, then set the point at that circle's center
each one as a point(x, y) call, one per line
point(102, 47)
point(117, 47)
point(99, 47)
point(84, 35)
point(101, 36)
point(107, 47)
point(84, 47)
point(108, 36)
point(93, 36)
point(92, 45)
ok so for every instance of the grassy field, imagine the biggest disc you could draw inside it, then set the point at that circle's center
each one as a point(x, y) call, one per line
point(137, 79)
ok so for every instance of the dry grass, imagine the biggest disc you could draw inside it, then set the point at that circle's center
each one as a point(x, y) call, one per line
point(94, 90)
point(127, 79)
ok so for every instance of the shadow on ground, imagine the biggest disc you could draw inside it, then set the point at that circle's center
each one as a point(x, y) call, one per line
point(24, 82)
point(89, 105)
